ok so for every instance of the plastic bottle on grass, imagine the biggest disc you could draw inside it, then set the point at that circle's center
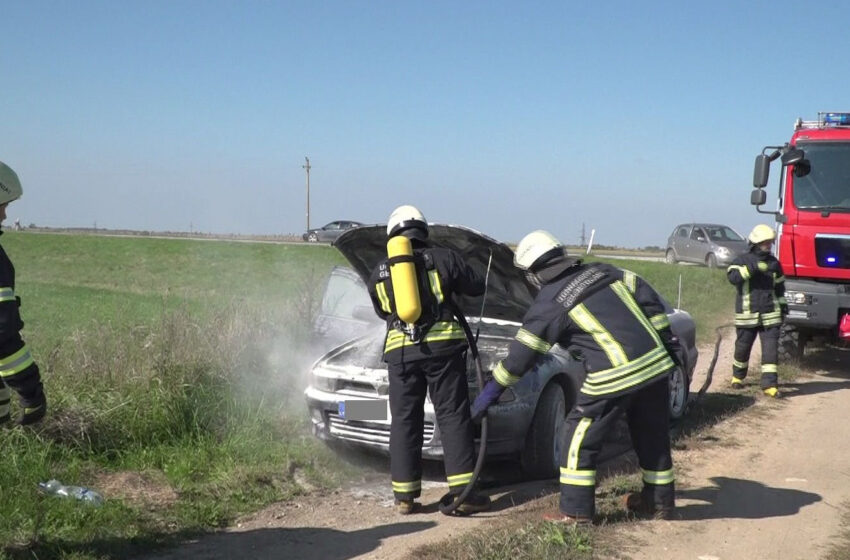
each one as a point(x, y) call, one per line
point(56, 488)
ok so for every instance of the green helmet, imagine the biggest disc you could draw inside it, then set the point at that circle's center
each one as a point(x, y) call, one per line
point(10, 185)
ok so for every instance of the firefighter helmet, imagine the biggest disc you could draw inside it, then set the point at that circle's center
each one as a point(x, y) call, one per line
point(760, 234)
point(536, 248)
point(10, 185)
point(409, 221)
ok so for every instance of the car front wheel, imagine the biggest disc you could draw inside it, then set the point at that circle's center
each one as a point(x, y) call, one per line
point(313, 238)
point(542, 455)
point(711, 261)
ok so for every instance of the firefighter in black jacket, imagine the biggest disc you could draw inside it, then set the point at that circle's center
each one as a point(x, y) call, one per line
point(428, 355)
point(616, 324)
point(18, 370)
point(759, 308)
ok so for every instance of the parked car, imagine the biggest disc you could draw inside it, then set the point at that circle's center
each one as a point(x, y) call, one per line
point(529, 417)
point(710, 244)
point(328, 232)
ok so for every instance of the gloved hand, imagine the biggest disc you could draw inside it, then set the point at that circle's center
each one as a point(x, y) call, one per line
point(488, 395)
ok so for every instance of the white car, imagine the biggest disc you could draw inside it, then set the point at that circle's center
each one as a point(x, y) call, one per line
point(528, 419)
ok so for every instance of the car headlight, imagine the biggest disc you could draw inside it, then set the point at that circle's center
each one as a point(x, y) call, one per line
point(324, 383)
point(798, 298)
point(723, 251)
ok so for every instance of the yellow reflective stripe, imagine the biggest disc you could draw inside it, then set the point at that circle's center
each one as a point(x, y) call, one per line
point(742, 270)
point(436, 286)
point(782, 300)
point(654, 370)
point(633, 306)
point(7, 294)
point(660, 321)
point(646, 360)
point(588, 323)
point(575, 477)
point(745, 297)
point(503, 377)
point(459, 479)
point(769, 368)
point(440, 331)
point(740, 365)
point(658, 477)
point(383, 297)
point(16, 363)
point(533, 341)
point(575, 443)
point(777, 279)
point(630, 279)
point(407, 487)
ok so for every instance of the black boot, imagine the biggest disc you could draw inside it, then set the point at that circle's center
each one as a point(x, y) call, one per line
point(32, 409)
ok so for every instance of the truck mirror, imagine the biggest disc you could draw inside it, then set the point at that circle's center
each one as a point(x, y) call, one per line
point(792, 156)
point(758, 197)
point(802, 168)
point(761, 171)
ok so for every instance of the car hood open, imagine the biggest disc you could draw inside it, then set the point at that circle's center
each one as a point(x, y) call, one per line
point(508, 294)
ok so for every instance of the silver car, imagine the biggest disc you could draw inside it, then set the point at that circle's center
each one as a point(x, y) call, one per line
point(330, 231)
point(528, 419)
point(710, 244)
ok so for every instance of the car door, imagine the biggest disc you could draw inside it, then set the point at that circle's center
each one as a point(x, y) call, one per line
point(679, 241)
point(330, 232)
point(698, 245)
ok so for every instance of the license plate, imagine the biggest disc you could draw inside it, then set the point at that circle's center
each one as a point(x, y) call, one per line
point(363, 410)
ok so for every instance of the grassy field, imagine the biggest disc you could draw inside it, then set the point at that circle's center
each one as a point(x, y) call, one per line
point(162, 362)
point(172, 368)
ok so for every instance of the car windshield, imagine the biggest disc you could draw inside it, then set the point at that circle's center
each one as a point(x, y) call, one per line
point(827, 185)
point(722, 233)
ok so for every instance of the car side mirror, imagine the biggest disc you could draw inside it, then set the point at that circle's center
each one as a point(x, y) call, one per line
point(793, 156)
point(701, 239)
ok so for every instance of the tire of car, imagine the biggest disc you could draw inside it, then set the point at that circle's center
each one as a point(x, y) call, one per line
point(679, 392)
point(670, 257)
point(313, 238)
point(711, 261)
point(541, 457)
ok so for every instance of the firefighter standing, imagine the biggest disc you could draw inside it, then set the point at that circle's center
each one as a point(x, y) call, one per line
point(428, 355)
point(759, 308)
point(18, 370)
point(616, 324)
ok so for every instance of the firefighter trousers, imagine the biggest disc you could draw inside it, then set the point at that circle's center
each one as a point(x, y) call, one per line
point(445, 379)
point(746, 337)
point(588, 423)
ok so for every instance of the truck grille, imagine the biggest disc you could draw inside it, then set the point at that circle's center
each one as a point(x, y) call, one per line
point(368, 432)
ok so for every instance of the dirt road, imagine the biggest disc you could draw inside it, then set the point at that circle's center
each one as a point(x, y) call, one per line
point(768, 484)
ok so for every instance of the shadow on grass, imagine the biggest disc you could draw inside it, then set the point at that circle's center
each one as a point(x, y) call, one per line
point(260, 544)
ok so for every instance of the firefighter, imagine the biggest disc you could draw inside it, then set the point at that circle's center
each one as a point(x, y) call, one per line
point(425, 353)
point(759, 308)
point(18, 370)
point(616, 325)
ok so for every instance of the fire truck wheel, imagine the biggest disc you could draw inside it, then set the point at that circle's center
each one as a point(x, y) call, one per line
point(792, 343)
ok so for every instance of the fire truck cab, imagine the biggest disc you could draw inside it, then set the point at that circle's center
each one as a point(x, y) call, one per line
point(813, 228)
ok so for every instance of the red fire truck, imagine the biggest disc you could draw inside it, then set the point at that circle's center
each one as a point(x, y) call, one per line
point(813, 228)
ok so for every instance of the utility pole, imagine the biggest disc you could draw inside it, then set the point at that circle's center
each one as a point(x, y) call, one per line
point(307, 168)
point(582, 235)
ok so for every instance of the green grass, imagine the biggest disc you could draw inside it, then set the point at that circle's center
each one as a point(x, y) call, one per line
point(173, 364)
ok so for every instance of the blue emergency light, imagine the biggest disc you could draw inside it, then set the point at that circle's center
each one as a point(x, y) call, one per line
point(836, 119)
point(831, 260)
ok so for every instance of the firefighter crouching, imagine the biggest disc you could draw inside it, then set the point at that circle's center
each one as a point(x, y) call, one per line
point(759, 308)
point(18, 370)
point(616, 324)
point(425, 351)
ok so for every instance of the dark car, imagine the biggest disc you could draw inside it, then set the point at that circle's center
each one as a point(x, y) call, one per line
point(329, 232)
point(529, 417)
point(710, 244)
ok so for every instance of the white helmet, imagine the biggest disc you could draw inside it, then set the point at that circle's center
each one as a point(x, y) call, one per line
point(409, 221)
point(10, 185)
point(534, 246)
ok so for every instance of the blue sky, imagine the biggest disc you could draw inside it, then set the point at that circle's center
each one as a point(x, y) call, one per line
point(628, 117)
